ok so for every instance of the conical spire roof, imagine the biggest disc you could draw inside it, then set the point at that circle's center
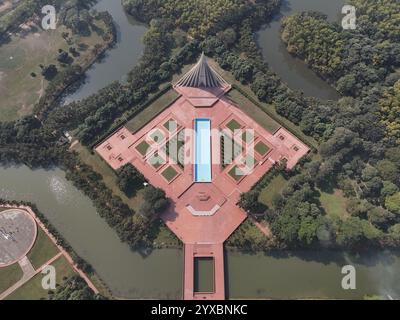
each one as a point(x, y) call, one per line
point(202, 76)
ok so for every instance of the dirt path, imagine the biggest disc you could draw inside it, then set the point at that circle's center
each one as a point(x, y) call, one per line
point(263, 228)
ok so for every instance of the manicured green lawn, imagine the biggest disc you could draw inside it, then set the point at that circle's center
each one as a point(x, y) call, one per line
point(253, 111)
point(247, 137)
point(151, 111)
point(156, 161)
point(143, 148)
point(43, 250)
point(236, 173)
point(33, 290)
point(157, 136)
point(170, 173)
point(261, 148)
point(233, 125)
point(19, 91)
point(274, 187)
point(334, 203)
point(171, 125)
point(249, 161)
point(9, 276)
point(259, 114)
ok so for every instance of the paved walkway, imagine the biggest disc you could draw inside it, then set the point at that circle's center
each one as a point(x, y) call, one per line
point(215, 251)
point(29, 273)
point(63, 252)
point(203, 234)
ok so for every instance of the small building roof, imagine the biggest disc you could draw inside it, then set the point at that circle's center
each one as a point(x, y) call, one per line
point(202, 76)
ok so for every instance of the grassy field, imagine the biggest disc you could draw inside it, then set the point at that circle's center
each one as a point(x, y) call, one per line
point(21, 56)
point(151, 111)
point(253, 111)
point(334, 203)
point(43, 250)
point(110, 179)
point(108, 174)
point(9, 276)
point(275, 187)
point(32, 290)
point(286, 123)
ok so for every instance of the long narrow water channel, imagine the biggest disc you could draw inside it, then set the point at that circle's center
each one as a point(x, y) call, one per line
point(293, 71)
point(117, 61)
point(128, 274)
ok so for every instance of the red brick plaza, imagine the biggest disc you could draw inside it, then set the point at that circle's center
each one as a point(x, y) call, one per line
point(202, 215)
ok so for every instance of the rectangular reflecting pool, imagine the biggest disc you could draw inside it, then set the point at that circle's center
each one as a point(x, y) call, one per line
point(203, 275)
point(202, 162)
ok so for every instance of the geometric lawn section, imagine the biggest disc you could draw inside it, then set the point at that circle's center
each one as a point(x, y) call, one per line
point(178, 183)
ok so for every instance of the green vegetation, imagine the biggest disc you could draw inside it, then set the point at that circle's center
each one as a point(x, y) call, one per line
point(74, 288)
point(169, 174)
point(272, 190)
point(236, 173)
point(248, 237)
point(154, 203)
point(130, 180)
point(171, 125)
point(332, 52)
point(334, 203)
point(9, 275)
point(156, 160)
point(197, 18)
point(162, 236)
point(233, 125)
point(151, 111)
point(43, 250)
point(393, 203)
point(360, 160)
point(36, 65)
point(174, 148)
point(261, 148)
point(143, 148)
point(33, 289)
point(390, 109)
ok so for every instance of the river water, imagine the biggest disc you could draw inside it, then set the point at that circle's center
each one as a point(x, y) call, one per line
point(117, 61)
point(293, 71)
point(128, 274)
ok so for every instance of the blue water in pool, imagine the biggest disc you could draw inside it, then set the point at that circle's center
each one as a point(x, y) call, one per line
point(202, 164)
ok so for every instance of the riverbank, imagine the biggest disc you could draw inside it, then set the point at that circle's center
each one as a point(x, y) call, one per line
point(294, 72)
point(58, 253)
point(26, 84)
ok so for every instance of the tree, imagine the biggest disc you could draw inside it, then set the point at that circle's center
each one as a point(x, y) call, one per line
point(228, 36)
point(394, 232)
point(350, 232)
point(389, 189)
point(249, 202)
point(388, 170)
point(49, 72)
point(129, 180)
point(308, 230)
point(74, 288)
point(380, 217)
point(393, 203)
point(154, 202)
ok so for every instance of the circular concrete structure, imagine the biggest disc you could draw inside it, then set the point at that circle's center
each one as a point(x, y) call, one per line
point(18, 231)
